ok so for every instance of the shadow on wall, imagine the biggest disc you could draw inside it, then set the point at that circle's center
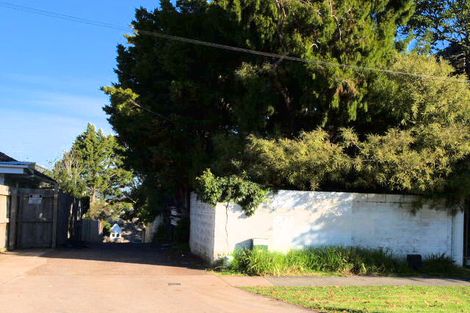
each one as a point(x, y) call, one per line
point(292, 200)
point(329, 223)
point(303, 219)
point(377, 225)
point(299, 219)
point(295, 200)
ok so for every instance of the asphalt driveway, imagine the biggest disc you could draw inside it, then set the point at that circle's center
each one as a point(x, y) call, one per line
point(120, 278)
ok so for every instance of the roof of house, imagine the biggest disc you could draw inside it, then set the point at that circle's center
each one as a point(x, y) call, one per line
point(8, 165)
point(6, 158)
point(116, 229)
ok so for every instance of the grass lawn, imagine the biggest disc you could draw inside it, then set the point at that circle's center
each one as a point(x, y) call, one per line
point(373, 299)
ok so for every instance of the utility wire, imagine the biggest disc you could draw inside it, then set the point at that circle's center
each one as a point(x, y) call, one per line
point(22, 8)
point(57, 15)
point(163, 117)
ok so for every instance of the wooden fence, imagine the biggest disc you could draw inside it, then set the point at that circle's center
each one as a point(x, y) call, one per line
point(38, 218)
point(4, 216)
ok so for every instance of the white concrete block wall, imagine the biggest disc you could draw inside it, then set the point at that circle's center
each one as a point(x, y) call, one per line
point(457, 236)
point(201, 236)
point(239, 230)
point(299, 219)
point(394, 227)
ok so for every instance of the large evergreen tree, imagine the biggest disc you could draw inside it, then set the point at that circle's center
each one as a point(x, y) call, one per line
point(426, 151)
point(174, 103)
point(94, 168)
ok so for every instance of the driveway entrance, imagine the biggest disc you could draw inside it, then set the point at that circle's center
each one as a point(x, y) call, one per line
point(120, 278)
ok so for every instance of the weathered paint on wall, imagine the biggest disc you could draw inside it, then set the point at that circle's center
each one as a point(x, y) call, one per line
point(297, 219)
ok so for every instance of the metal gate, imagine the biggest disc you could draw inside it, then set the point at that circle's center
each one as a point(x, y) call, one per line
point(36, 219)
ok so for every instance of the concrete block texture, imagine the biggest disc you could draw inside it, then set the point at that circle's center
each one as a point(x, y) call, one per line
point(300, 219)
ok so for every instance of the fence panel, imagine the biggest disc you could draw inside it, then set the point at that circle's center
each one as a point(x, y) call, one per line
point(37, 218)
point(4, 216)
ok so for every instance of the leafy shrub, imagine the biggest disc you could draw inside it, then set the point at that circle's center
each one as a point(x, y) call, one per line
point(348, 260)
point(344, 260)
point(106, 228)
point(438, 263)
point(417, 142)
point(212, 189)
point(305, 163)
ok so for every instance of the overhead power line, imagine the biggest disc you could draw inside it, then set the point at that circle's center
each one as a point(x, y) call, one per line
point(163, 117)
point(57, 15)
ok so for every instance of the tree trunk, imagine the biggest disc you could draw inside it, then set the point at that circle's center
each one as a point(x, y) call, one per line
point(93, 197)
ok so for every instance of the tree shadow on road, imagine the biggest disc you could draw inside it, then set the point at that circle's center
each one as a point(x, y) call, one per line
point(149, 254)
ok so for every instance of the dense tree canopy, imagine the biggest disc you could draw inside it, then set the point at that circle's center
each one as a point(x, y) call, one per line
point(181, 108)
point(427, 151)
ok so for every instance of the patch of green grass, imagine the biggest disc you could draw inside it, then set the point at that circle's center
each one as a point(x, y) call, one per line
point(340, 260)
point(336, 261)
point(384, 299)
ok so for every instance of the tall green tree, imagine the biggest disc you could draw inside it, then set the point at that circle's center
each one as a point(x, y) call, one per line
point(444, 27)
point(177, 106)
point(94, 168)
point(426, 151)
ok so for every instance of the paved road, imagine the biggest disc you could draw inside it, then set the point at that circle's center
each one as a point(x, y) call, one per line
point(120, 278)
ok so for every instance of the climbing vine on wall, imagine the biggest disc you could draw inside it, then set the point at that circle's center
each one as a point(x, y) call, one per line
point(212, 189)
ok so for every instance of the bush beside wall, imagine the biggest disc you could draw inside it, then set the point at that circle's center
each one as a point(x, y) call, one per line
point(342, 260)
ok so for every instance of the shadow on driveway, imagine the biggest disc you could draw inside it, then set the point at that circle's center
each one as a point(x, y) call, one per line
point(149, 254)
point(121, 278)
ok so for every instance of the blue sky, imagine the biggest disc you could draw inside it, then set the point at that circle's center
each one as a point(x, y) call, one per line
point(51, 71)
